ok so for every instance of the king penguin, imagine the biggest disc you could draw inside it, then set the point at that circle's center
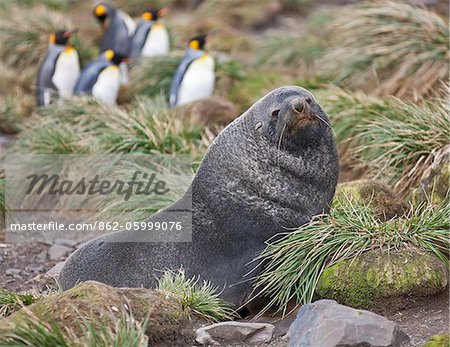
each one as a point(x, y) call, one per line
point(118, 34)
point(194, 78)
point(151, 37)
point(101, 77)
point(60, 69)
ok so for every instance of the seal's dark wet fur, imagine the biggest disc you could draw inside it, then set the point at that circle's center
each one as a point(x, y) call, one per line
point(273, 168)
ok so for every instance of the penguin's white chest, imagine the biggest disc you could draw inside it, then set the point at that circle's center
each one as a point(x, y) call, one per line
point(198, 81)
point(106, 88)
point(157, 42)
point(67, 71)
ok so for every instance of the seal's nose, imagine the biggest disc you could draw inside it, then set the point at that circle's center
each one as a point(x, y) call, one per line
point(298, 104)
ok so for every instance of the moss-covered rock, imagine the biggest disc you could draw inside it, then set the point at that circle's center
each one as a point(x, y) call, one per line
point(378, 279)
point(378, 196)
point(102, 304)
point(438, 341)
point(435, 182)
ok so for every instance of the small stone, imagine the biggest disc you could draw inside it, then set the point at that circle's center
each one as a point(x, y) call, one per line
point(41, 256)
point(56, 252)
point(36, 269)
point(326, 323)
point(234, 332)
point(12, 272)
point(66, 242)
point(55, 270)
point(1, 259)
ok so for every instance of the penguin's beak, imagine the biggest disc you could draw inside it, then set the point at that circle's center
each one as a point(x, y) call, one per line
point(127, 60)
point(69, 33)
point(162, 12)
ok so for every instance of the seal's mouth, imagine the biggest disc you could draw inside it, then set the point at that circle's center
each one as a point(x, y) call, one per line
point(302, 113)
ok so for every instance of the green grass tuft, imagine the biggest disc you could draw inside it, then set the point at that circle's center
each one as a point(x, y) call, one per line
point(9, 301)
point(197, 299)
point(402, 148)
point(34, 332)
point(294, 264)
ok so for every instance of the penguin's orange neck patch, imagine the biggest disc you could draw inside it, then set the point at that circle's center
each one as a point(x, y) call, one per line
point(69, 49)
point(52, 38)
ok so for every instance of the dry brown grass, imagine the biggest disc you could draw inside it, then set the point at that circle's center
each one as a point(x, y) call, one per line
point(390, 48)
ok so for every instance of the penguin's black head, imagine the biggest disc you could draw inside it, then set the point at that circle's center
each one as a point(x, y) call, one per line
point(153, 14)
point(115, 57)
point(101, 12)
point(61, 37)
point(198, 42)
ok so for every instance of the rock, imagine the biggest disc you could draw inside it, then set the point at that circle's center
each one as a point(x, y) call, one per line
point(13, 272)
point(55, 270)
point(36, 269)
point(102, 305)
point(212, 110)
point(384, 202)
point(438, 341)
point(66, 242)
point(56, 252)
point(325, 323)
point(376, 279)
point(41, 256)
point(234, 332)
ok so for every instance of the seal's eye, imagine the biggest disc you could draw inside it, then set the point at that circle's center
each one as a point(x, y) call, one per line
point(275, 113)
point(309, 100)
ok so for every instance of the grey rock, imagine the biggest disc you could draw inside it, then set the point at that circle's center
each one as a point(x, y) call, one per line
point(56, 252)
point(1, 259)
point(41, 256)
point(325, 323)
point(13, 272)
point(234, 332)
point(66, 242)
point(55, 270)
point(38, 268)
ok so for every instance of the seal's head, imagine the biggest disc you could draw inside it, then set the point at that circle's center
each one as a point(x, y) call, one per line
point(294, 118)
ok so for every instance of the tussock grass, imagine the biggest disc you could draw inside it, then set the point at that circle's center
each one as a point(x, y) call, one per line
point(35, 332)
point(59, 5)
point(394, 138)
point(84, 126)
point(9, 301)
point(390, 47)
point(293, 264)
point(301, 52)
point(24, 34)
point(152, 77)
point(17, 98)
point(403, 148)
point(199, 299)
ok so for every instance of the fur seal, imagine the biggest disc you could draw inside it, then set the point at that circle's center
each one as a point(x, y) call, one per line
point(274, 167)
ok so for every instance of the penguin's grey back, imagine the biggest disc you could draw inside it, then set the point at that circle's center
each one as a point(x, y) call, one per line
point(189, 57)
point(46, 71)
point(139, 38)
point(117, 36)
point(90, 74)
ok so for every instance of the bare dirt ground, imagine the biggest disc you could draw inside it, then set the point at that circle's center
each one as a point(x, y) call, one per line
point(23, 267)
